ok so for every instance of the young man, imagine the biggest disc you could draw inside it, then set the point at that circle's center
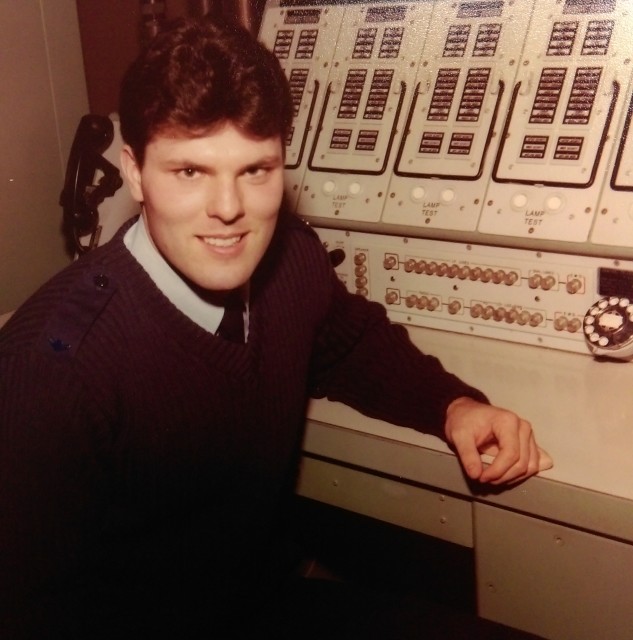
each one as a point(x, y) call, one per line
point(146, 460)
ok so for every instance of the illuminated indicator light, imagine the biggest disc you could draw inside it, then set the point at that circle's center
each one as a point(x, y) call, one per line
point(448, 195)
point(519, 200)
point(417, 194)
point(354, 188)
point(329, 186)
point(554, 203)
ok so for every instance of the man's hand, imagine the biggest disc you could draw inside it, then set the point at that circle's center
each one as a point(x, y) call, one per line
point(474, 428)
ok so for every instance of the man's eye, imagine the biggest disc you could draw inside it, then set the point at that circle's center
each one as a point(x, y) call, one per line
point(188, 172)
point(257, 172)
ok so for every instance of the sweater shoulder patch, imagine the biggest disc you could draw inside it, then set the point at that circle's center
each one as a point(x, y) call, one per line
point(71, 321)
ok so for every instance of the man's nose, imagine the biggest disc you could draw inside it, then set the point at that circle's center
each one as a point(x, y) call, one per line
point(225, 200)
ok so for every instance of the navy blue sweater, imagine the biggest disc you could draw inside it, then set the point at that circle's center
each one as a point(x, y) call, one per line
point(144, 462)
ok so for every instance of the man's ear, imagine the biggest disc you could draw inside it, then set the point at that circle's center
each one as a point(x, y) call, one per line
point(131, 173)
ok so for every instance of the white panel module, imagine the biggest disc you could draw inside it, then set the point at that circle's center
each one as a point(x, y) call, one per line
point(303, 39)
point(368, 88)
point(613, 223)
point(558, 131)
point(528, 297)
point(462, 90)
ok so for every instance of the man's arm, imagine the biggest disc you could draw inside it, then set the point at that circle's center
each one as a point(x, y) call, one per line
point(473, 428)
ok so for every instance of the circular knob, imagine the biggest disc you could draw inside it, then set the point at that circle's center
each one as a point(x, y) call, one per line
point(511, 316)
point(411, 300)
point(560, 323)
point(391, 297)
point(536, 319)
point(433, 304)
point(511, 278)
point(534, 281)
point(454, 307)
point(409, 265)
point(488, 312)
point(360, 258)
point(573, 325)
point(523, 318)
point(476, 310)
point(453, 271)
point(548, 282)
point(475, 273)
point(498, 276)
point(389, 262)
point(574, 286)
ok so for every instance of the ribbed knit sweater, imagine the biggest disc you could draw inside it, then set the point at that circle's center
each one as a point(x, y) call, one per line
point(144, 462)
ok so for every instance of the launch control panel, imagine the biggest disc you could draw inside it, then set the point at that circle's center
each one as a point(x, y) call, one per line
point(472, 160)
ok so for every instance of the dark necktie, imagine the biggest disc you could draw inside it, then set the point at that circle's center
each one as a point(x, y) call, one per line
point(232, 325)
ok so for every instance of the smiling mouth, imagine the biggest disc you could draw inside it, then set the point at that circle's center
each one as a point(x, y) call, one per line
point(222, 242)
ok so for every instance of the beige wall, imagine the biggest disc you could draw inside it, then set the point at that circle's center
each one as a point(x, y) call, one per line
point(43, 98)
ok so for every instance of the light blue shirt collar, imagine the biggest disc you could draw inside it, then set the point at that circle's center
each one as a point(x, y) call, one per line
point(202, 312)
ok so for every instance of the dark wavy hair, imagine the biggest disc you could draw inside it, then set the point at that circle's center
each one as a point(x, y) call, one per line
point(198, 74)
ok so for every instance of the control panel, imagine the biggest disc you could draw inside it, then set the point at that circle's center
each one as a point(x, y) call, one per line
point(369, 86)
point(463, 85)
point(559, 128)
point(530, 297)
point(477, 153)
point(303, 39)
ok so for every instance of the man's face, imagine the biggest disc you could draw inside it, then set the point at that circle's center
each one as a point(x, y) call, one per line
point(210, 203)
